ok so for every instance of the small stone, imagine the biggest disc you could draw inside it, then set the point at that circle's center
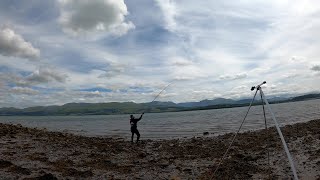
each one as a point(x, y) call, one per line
point(188, 170)
point(5, 164)
point(142, 155)
point(48, 176)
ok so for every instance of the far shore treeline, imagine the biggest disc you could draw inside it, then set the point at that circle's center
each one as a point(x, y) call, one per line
point(130, 107)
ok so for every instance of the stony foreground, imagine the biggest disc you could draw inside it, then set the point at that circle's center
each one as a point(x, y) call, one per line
point(27, 153)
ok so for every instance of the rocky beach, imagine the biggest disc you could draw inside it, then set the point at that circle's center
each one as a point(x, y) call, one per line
point(30, 153)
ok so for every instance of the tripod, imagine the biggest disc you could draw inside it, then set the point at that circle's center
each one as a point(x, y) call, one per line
point(264, 102)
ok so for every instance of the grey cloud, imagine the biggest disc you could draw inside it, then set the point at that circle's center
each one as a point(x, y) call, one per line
point(315, 68)
point(298, 59)
point(45, 75)
point(114, 69)
point(40, 76)
point(12, 44)
point(23, 90)
point(79, 16)
point(3, 86)
point(12, 78)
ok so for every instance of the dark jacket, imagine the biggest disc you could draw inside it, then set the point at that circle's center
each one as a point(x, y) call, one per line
point(134, 121)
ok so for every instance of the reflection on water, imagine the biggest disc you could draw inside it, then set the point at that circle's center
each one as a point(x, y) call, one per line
point(174, 124)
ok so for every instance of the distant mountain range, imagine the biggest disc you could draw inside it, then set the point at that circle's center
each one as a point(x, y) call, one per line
point(223, 101)
point(130, 107)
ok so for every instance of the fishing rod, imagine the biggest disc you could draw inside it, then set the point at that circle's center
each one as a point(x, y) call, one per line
point(161, 91)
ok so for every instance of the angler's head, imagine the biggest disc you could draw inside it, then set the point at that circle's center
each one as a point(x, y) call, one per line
point(131, 116)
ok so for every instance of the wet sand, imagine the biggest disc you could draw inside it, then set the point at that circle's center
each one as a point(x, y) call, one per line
point(29, 153)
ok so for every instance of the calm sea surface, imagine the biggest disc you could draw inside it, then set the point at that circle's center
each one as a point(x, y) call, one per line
point(173, 124)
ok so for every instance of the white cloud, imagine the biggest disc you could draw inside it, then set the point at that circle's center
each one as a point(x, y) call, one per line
point(82, 16)
point(184, 69)
point(169, 11)
point(93, 94)
point(233, 77)
point(216, 48)
point(179, 61)
point(12, 44)
point(290, 75)
point(255, 37)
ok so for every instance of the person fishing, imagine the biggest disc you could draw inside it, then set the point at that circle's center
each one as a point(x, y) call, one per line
point(134, 121)
point(134, 130)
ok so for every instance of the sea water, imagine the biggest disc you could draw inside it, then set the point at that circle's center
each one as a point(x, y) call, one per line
point(173, 124)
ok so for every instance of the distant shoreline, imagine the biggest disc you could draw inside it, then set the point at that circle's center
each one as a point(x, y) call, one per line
point(80, 109)
point(37, 153)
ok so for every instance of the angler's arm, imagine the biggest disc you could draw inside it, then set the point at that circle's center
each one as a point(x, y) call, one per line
point(141, 116)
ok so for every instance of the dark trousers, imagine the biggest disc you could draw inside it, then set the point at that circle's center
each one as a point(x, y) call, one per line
point(134, 130)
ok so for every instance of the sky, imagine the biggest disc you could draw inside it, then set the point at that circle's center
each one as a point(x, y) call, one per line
point(61, 51)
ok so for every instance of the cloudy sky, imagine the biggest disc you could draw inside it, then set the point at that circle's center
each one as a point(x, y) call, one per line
point(61, 51)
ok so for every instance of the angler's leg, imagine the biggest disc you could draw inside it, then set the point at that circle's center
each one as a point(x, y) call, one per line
point(132, 134)
point(138, 135)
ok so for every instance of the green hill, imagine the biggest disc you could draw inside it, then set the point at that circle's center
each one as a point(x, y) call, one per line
point(90, 109)
point(133, 108)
